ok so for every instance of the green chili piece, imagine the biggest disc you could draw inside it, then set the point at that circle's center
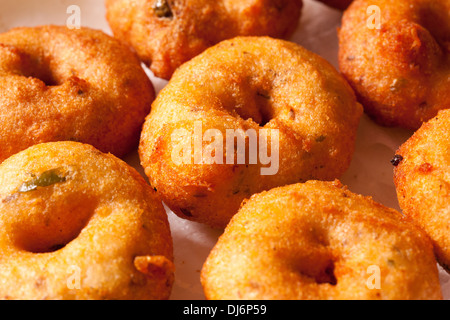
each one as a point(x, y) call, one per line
point(45, 179)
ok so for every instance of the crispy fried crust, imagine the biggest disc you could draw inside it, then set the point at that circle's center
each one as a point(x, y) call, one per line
point(79, 224)
point(249, 83)
point(80, 85)
point(422, 179)
point(400, 72)
point(318, 240)
point(166, 34)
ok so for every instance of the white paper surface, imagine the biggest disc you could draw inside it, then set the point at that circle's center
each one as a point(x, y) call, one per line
point(369, 174)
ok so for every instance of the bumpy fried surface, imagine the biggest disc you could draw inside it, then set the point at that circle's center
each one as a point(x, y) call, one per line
point(400, 72)
point(248, 83)
point(60, 84)
point(318, 240)
point(79, 224)
point(422, 179)
point(167, 33)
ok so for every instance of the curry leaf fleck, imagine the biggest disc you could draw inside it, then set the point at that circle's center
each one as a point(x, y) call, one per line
point(45, 179)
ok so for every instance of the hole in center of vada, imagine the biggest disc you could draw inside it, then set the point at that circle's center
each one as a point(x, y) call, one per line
point(47, 77)
point(42, 70)
point(319, 268)
point(52, 226)
point(327, 275)
point(258, 108)
point(265, 108)
point(434, 19)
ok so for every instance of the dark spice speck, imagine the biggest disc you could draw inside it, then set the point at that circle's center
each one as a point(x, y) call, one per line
point(396, 160)
point(162, 9)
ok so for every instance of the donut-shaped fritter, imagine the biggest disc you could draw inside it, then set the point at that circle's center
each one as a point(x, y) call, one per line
point(80, 85)
point(167, 33)
point(76, 223)
point(318, 240)
point(395, 54)
point(422, 179)
point(295, 104)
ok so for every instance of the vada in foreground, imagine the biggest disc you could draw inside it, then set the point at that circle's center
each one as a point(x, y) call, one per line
point(79, 224)
point(317, 241)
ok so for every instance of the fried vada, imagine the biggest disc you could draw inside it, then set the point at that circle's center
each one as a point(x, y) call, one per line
point(246, 115)
point(81, 85)
point(76, 223)
point(167, 33)
point(319, 241)
point(422, 180)
point(396, 56)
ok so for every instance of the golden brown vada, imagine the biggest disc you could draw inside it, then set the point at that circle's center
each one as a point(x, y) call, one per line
point(80, 85)
point(167, 33)
point(274, 94)
point(422, 179)
point(76, 223)
point(318, 240)
point(395, 55)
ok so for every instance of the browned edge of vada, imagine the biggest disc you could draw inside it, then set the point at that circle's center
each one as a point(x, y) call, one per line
point(422, 180)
